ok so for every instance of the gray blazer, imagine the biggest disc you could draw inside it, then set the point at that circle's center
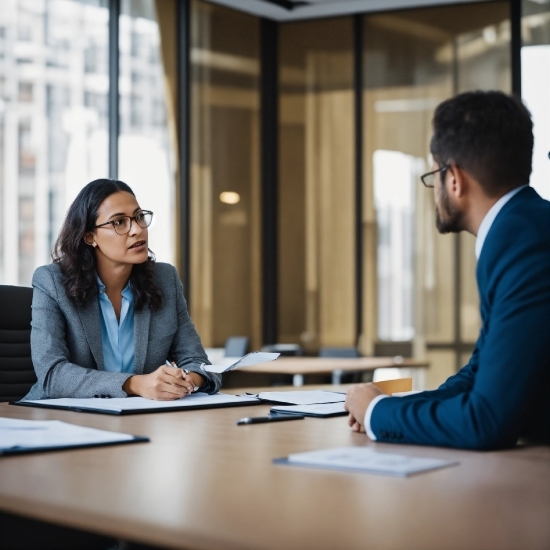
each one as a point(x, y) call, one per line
point(66, 346)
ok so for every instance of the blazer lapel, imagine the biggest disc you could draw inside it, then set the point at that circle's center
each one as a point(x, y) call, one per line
point(89, 315)
point(141, 337)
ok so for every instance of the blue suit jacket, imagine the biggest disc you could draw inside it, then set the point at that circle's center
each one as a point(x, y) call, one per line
point(503, 393)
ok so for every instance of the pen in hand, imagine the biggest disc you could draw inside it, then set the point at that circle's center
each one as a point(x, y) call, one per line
point(185, 371)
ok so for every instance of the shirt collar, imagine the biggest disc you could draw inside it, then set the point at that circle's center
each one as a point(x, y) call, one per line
point(126, 292)
point(490, 218)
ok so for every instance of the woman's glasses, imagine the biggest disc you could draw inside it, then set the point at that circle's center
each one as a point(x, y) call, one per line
point(123, 224)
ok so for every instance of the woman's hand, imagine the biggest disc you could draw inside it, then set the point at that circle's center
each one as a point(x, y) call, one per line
point(195, 379)
point(164, 384)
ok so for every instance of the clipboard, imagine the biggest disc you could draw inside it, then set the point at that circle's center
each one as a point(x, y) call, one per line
point(138, 405)
point(19, 436)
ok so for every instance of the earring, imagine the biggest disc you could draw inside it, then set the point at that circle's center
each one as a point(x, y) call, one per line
point(94, 244)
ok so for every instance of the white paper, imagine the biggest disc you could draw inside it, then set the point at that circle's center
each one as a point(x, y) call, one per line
point(230, 363)
point(120, 404)
point(311, 410)
point(308, 397)
point(367, 459)
point(31, 434)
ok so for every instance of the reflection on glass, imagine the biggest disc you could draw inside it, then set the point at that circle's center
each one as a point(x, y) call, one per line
point(395, 181)
point(316, 185)
point(225, 187)
point(413, 61)
point(146, 149)
point(535, 87)
point(53, 122)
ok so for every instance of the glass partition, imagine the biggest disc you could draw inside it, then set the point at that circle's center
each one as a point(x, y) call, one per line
point(53, 122)
point(316, 185)
point(225, 188)
point(417, 283)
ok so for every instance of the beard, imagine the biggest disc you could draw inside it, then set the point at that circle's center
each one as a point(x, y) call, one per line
point(448, 218)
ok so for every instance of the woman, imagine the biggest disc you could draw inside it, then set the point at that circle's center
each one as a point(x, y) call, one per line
point(105, 316)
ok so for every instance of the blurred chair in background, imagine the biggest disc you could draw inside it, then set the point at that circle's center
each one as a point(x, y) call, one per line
point(338, 376)
point(288, 350)
point(236, 346)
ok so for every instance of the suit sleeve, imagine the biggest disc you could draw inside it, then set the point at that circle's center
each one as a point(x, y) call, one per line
point(186, 348)
point(57, 375)
point(484, 407)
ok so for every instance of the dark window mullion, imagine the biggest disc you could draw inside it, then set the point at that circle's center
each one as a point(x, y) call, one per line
point(269, 93)
point(184, 129)
point(114, 110)
point(358, 96)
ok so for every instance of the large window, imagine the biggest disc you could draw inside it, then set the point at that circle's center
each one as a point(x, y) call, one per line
point(53, 121)
point(535, 86)
point(146, 141)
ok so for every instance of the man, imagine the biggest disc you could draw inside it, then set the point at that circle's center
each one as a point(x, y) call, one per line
point(482, 149)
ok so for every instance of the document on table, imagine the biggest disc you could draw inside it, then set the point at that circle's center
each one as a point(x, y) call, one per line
point(309, 397)
point(366, 459)
point(135, 405)
point(321, 410)
point(229, 363)
point(19, 436)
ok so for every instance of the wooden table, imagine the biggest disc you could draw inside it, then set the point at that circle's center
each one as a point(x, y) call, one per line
point(205, 483)
point(298, 367)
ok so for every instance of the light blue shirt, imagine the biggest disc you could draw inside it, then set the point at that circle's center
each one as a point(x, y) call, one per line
point(489, 218)
point(117, 337)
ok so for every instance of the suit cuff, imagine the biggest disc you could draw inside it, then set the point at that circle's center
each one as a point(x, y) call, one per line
point(368, 414)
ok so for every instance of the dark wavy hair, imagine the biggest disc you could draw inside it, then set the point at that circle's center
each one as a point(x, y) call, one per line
point(77, 260)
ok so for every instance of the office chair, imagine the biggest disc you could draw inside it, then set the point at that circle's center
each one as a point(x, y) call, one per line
point(339, 377)
point(236, 346)
point(16, 370)
point(338, 352)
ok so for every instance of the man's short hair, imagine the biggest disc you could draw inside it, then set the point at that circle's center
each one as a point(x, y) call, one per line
point(489, 135)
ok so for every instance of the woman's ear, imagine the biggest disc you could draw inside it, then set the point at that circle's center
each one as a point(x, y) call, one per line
point(89, 239)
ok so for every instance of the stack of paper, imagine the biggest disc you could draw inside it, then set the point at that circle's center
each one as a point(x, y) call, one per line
point(309, 397)
point(366, 459)
point(18, 436)
point(310, 403)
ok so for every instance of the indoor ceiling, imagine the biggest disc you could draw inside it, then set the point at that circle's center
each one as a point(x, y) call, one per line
point(293, 10)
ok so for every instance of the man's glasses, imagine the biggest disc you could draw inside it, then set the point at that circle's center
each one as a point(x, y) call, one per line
point(123, 224)
point(429, 179)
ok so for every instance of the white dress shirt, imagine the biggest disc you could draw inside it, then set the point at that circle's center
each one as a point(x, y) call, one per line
point(482, 232)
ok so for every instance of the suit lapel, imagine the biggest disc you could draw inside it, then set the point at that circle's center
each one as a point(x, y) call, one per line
point(89, 315)
point(141, 337)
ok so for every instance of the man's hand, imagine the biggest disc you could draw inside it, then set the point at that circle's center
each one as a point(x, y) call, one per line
point(358, 399)
point(164, 384)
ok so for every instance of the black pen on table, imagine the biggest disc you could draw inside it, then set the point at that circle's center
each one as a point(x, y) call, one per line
point(269, 418)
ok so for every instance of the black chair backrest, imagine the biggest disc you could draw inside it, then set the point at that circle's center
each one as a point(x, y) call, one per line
point(236, 346)
point(338, 352)
point(16, 370)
